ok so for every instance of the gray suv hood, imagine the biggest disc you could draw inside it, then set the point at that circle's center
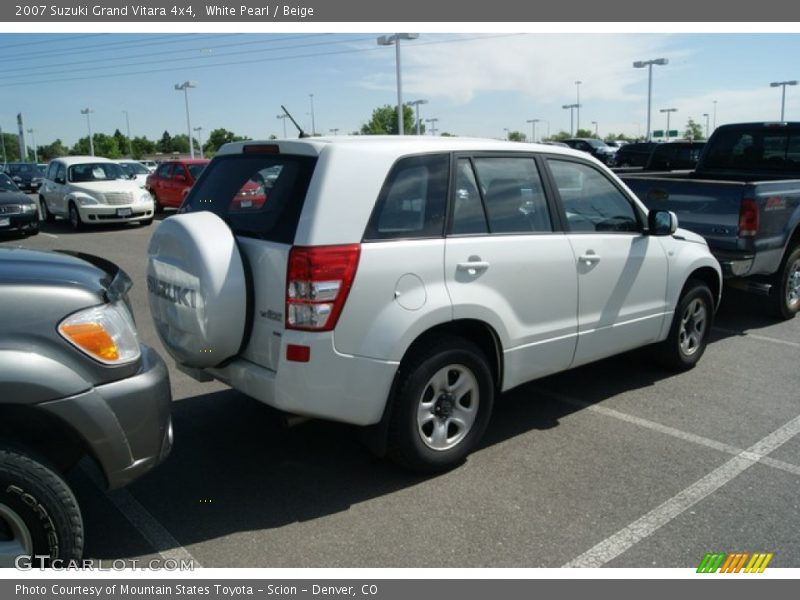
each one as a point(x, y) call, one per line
point(20, 265)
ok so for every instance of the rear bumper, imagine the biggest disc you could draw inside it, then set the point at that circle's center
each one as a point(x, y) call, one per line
point(334, 386)
point(735, 264)
point(126, 424)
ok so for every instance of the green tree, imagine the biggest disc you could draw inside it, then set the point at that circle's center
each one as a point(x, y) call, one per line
point(584, 133)
point(53, 150)
point(384, 121)
point(561, 135)
point(10, 142)
point(694, 131)
point(122, 142)
point(217, 138)
point(516, 136)
point(142, 147)
point(164, 145)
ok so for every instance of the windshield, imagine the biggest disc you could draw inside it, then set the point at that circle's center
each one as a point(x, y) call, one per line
point(134, 168)
point(95, 172)
point(6, 184)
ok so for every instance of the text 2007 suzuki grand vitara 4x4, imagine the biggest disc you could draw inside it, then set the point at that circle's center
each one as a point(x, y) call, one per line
point(404, 282)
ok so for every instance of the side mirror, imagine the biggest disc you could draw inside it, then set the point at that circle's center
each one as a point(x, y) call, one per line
point(662, 222)
point(59, 180)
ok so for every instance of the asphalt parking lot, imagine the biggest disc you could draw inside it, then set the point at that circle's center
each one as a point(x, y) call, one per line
point(616, 464)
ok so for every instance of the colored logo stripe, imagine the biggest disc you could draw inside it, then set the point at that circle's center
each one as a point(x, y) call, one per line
point(734, 562)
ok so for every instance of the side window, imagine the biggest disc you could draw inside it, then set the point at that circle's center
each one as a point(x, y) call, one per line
point(61, 173)
point(163, 170)
point(51, 171)
point(591, 202)
point(468, 215)
point(513, 195)
point(412, 201)
point(178, 171)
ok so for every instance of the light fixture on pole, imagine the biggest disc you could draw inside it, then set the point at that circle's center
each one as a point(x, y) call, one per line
point(578, 106)
point(641, 64)
point(415, 104)
point(706, 116)
point(313, 125)
point(595, 130)
point(185, 88)
point(668, 111)
point(433, 125)
point(782, 85)
point(571, 108)
point(128, 129)
point(199, 131)
point(87, 111)
point(282, 118)
point(388, 40)
point(35, 151)
point(533, 123)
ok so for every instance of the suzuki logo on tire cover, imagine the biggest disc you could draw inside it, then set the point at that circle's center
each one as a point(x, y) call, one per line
point(174, 293)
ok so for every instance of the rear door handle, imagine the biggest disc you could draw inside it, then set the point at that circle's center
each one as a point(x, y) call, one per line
point(589, 258)
point(472, 267)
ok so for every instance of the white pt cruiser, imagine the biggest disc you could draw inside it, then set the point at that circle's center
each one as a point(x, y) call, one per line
point(403, 283)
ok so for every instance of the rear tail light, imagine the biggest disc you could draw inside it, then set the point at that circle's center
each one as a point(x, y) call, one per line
point(317, 284)
point(748, 218)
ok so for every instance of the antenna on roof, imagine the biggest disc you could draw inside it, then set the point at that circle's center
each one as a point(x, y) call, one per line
point(303, 134)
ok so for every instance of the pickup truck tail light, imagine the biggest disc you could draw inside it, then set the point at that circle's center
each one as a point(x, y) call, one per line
point(748, 218)
point(318, 281)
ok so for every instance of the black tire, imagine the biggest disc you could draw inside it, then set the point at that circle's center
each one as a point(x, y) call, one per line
point(157, 206)
point(38, 511)
point(45, 215)
point(75, 217)
point(691, 327)
point(411, 443)
point(784, 299)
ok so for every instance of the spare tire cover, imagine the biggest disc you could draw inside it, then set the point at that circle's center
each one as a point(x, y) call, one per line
point(197, 289)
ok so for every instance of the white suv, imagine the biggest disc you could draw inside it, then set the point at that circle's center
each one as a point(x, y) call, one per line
point(402, 283)
point(92, 190)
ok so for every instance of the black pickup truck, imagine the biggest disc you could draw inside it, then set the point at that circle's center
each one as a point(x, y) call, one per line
point(743, 197)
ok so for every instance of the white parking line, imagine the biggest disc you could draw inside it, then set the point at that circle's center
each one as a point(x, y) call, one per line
point(755, 336)
point(50, 235)
point(153, 531)
point(648, 524)
point(677, 433)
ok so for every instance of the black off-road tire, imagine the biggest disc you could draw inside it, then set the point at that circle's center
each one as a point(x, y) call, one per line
point(46, 215)
point(453, 357)
point(74, 217)
point(37, 509)
point(691, 327)
point(784, 298)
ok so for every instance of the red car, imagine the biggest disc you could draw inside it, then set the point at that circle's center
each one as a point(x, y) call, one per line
point(172, 180)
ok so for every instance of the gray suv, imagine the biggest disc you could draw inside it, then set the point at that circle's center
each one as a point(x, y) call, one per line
point(75, 382)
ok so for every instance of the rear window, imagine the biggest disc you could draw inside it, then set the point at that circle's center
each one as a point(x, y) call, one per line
point(257, 195)
point(755, 149)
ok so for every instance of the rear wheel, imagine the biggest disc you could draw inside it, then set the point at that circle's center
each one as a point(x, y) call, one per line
point(157, 206)
point(39, 514)
point(691, 326)
point(75, 217)
point(785, 298)
point(442, 406)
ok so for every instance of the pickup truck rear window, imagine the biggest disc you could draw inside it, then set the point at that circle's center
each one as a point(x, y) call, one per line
point(257, 195)
point(757, 149)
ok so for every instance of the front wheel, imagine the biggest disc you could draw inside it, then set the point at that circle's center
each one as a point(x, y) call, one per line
point(691, 326)
point(442, 405)
point(39, 514)
point(785, 297)
point(75, 217)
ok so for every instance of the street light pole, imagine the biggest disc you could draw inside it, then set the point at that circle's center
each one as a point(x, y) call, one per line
point(571, 108)
point(433, 125)
point(715, 114)
point(199, 131)
point(415, 104)
point(533, 123)
point(782, 85)
point(35, 151)
point(640, 64)
point(706, 116)
point(313, 125)
point(595, 129)
point(87, 111)
point(185, 87)
point(128, 128)
point(388, 40)
point(283, 118)
point(578, 107)
point(334, 131)
point(668, 111)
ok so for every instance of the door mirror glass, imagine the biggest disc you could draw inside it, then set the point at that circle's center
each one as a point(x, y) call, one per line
point(662, 222)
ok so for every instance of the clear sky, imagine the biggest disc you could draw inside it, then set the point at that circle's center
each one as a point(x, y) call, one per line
point(476, 84)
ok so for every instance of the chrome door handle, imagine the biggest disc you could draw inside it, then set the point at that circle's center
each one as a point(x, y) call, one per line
point(472, 267)
point(589, 258)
